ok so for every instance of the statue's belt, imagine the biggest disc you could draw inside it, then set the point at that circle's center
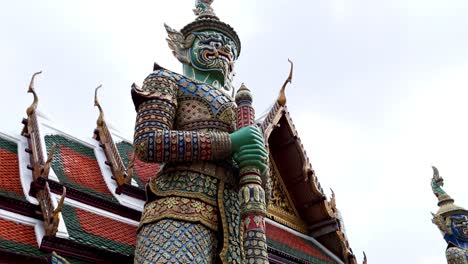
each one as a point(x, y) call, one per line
point(225, 172)
point(180, 208)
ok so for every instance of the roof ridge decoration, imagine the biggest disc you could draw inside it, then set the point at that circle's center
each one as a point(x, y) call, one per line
point(102, 134)
point(49, 212)
point(40, 168)
point(282, 96)
point(332, 202)
point(268, 123)
point(32, 108)
point(337, 218)
point(31, 131)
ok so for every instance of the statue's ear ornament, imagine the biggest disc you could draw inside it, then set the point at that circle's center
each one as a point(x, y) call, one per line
point(439, 221)
point(178, 43)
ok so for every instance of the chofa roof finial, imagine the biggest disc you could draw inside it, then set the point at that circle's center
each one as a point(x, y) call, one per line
point(282, 96)
point(100, 120)
point(30, 110)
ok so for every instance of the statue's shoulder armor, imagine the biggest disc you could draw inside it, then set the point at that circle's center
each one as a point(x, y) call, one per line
point(161, 84)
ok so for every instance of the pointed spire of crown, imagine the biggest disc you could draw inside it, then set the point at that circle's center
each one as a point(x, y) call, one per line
point(207, 20)
point(203, 8)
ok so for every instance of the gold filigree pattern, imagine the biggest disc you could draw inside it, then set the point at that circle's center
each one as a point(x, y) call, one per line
point(185, 209)
point(281, 208)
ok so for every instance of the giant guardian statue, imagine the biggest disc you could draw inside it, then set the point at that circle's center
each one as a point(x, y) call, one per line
point(207, 204)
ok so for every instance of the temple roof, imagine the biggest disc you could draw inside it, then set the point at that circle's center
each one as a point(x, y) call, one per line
point(313, 214)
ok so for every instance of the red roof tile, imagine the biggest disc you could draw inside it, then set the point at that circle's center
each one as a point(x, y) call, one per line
point(19, 233)
point(293, 241)
point(144, 170)
point(83, 170)
point(105, 227)
point(9, 172)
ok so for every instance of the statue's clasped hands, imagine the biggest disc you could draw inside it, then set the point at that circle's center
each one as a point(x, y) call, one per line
point(248, 148)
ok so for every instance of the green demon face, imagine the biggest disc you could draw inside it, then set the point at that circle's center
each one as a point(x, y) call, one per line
point(212, 51)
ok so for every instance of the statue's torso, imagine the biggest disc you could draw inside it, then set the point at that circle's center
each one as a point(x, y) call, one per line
point(200, 107)
point(203, 107)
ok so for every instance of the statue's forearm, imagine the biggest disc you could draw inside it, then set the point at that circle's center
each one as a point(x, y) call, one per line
point(179, 146)
point(156, 141)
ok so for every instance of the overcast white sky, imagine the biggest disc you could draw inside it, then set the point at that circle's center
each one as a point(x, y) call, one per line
point(378, 95)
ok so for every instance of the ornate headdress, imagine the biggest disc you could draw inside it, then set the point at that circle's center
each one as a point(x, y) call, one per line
point(206, 20)
point(446, 203)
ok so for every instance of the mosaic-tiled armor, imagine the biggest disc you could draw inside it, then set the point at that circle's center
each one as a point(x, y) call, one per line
point(452, 221)
point(188, 122)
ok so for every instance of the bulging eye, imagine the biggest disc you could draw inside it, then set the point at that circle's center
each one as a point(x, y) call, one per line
point(215, 44)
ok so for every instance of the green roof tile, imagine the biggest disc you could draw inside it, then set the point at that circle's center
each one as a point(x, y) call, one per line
point(79, 235)
point(20, 248)
point(58, 166)
point(8, 145)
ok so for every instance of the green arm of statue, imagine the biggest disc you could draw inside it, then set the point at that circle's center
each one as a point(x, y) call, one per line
point(247, 146)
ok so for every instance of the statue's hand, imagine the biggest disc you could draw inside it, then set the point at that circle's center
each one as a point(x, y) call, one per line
point(248, 148)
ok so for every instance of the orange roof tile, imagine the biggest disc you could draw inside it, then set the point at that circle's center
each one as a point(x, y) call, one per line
point(19, 233)
point(83, 170)
point(105, 227)
point(9, 173)
point(145, 171)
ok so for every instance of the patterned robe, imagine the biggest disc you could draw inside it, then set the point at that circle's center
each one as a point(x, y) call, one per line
point(192, 209)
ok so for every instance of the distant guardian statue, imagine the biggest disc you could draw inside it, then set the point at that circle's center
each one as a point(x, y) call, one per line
point(452, 220)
